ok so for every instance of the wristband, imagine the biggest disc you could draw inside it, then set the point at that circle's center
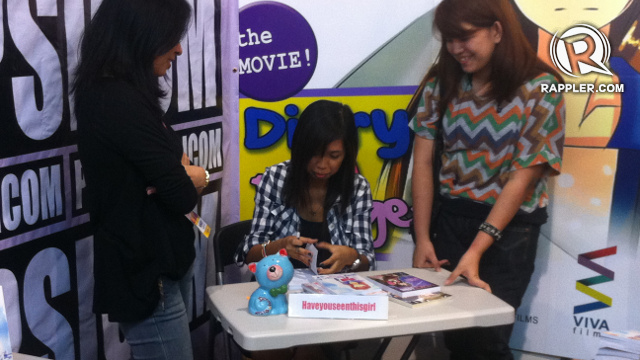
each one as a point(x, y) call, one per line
point(491, 230)
point(356, 263)
point(264, 249)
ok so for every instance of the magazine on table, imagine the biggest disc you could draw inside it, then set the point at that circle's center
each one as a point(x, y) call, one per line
point(300, 277)
point(342, 284)
point(619, 345)
point(420, 300)
point(404, 285)
point(339, 296)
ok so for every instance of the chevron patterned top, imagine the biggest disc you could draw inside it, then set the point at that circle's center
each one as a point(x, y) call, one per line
point(483, 143)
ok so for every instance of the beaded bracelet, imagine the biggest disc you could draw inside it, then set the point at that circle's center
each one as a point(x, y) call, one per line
point(491, 230)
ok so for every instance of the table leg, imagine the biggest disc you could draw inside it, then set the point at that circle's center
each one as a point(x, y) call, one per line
point(410, 347)
point(382, 348)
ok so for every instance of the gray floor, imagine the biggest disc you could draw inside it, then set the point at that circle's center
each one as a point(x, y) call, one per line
point(429, 347)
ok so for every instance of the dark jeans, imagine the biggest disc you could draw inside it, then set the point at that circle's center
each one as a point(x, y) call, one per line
point(506, 266)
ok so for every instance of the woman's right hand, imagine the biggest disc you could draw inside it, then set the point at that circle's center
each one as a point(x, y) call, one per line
point(295, 247)
point(424, 256)
point(196, 173)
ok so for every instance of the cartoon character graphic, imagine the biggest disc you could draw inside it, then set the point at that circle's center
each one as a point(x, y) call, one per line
point(273, 273)
point(599, 120)
point(593, 116)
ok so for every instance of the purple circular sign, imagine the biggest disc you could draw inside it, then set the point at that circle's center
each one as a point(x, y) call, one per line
point(278, 51)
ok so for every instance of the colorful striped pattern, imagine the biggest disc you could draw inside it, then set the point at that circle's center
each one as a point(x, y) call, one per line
point(483, 145)
point(584, 285)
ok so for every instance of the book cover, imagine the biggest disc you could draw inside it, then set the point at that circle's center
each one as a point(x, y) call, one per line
point(420, 300)
point(315, 288)
point(620, 343)
point(404, 285)
point(300, 277)
point(345, 284)
point(5, 343)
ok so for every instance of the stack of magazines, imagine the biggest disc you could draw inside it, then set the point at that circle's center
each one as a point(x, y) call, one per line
point(408, 290)
point(401, 288)
point(338, 296)
point(619, 345)
point(341, 284)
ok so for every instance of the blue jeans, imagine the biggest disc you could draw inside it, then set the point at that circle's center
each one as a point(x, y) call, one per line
point(506, 266)
point(165, 334)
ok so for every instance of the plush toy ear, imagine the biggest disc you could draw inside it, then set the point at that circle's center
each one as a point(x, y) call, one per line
point(283, 252)
point(252, 267)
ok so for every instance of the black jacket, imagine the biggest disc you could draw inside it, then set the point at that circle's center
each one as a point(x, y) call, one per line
point(125, 148)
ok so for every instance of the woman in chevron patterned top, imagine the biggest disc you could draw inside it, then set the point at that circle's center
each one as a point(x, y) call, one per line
point(500, 138)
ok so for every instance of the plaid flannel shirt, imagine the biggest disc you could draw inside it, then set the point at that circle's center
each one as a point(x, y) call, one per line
point(273, 220)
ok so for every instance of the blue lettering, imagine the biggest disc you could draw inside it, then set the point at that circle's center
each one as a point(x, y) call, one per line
point(362, 119)
point(291, 128)
point(397, 134)
point(598, 324)
point(252, 118)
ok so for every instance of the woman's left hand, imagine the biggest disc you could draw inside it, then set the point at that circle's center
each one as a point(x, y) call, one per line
point(341, 256)
point(468, 267)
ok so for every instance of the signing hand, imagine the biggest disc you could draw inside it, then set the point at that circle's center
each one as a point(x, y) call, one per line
point(424, 256)
point(295, 247)
point(341, 256)
point(468, 267)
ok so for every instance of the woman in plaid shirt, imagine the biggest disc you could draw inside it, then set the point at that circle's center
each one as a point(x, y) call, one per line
point(316, 197)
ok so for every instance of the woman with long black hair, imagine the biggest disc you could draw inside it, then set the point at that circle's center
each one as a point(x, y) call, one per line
point(316, 197)
point(139, 182)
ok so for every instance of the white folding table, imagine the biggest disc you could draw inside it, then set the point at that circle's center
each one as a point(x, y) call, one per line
point(17, 356)
point(467, 307)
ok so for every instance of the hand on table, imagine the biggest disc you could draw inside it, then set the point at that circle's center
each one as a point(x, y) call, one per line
point(424, 256)
point(468, 267)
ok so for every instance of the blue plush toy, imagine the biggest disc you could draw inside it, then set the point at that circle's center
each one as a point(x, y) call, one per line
point(273, 274)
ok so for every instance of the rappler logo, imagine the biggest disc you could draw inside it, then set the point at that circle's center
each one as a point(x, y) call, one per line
point(600, 55)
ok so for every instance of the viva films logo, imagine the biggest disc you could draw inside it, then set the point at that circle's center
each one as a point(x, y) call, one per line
point(587, 325)
point(587, 55)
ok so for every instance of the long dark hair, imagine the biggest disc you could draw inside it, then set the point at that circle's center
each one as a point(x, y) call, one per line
point(513, 61)
point(124, 37)
point(321, 123)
